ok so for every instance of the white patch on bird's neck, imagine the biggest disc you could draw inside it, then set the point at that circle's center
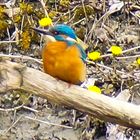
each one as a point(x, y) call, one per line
point(48, 39)
point(71, 39)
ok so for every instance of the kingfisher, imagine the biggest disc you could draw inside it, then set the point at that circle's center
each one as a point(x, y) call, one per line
point(63, 57)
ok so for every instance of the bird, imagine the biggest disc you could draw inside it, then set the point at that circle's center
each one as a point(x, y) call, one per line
point(63, 57)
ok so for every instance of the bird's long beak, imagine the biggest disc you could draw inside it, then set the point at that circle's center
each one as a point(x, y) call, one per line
point(48, 36)
point(42, 31)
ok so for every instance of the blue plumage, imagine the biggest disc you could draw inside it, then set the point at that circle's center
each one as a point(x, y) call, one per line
point(64, 30)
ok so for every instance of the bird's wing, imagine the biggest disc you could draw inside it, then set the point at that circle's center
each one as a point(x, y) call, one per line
point(83, 53)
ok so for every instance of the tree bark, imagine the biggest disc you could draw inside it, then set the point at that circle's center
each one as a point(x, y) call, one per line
point(15, 76)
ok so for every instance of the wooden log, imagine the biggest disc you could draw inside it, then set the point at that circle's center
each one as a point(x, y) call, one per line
point(16, 76)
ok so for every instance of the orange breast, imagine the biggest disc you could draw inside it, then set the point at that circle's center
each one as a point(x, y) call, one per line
point(63, 62)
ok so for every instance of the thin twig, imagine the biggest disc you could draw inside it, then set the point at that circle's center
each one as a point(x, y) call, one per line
point(31, 109)
point(78, 22)
point(44, 7)
point(5, 131)
point(49, 123)
point(11, 109)
point(9, 41)
point(17, 108)
point(21, 57)
point(22, 23)
point(64, 14)
point(125, 51)
point(135, 15)
point(85, 11)
point(132, 49)
point(128, 57)
point(111, 69)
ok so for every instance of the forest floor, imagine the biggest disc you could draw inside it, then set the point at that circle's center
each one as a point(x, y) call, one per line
point(100, 24)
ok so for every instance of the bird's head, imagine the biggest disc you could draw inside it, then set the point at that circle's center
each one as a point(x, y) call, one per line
point(59, 32)
point(62, 31)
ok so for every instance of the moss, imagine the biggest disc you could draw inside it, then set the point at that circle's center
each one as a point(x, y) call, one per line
point(26, 39)
point(17, 18)
point(20, 97)
point(64, 18)
point(35, 37)
point(2, 12)
point(40, 14)
point(52, 14)
point(52, 1)
point(81, 32)
point(64, 3)
point(3, 25)
point(80, 13)
point(26, 8)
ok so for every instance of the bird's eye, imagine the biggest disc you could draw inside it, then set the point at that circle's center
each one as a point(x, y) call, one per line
point(55, 32)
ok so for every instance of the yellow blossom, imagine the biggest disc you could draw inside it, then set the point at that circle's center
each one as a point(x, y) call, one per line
point(45, 22)
point(94, 55)
point(138, 61)
point(116, 50)
point(94, 89)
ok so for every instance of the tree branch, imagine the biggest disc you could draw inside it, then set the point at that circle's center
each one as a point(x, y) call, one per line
point(16, 76)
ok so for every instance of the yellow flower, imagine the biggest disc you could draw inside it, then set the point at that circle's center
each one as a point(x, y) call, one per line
point(45, 22)
point(94, 89)
point(138, 61)
point(116, 50)
point(94, 55)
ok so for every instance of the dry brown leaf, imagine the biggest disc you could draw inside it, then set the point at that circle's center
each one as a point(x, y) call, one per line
point(129, 38)
point(101, 34)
